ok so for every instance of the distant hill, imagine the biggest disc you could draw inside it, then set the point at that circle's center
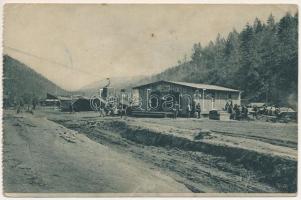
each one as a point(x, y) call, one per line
point(22, 83)
point(116, 82)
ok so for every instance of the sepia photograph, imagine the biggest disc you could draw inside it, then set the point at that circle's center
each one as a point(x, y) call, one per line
point(149, 99)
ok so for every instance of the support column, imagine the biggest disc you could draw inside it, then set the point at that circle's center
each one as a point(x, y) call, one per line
point(203, 109)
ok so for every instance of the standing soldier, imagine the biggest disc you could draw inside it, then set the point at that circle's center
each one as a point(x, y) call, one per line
point(245, 112)
point(128, 109)
point(235, 112)
point(120, 110)
point(18, 108)
point(188, 110)
point(123, 109)
point(198, 110)
point(34, 103)
point(176, 110)
point(230, 109)
point(101, 112)
point(255, 109)
point(226, 106)
point(21, 105)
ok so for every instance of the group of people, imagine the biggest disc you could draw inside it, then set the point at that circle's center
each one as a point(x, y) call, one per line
point(241, 112)
point(110, 109)
point(270, 111)
point(20, 106)
point(189, 110)
point(266, 111)
point(237, 112)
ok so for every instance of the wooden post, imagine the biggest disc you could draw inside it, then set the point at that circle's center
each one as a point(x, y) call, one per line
point(203, 100)
point(147, 96)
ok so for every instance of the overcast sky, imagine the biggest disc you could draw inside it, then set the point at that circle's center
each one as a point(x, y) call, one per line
point(62, 42)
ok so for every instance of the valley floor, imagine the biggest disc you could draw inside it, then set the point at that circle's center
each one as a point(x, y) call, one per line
point(59, 152)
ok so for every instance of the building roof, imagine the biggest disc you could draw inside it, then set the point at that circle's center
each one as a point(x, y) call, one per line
point(194, 85)
point(51, 100)
point(71, 98)
point(50, 96)
point(62, 98)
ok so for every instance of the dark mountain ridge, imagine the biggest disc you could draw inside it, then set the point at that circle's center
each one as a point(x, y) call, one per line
point(21, 83)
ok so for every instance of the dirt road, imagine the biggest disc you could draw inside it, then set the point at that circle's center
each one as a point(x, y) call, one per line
point(258, 158)
point(42, 156)
point(82, 152)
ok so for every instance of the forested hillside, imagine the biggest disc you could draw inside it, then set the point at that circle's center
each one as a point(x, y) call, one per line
point(261, 60)
point(22, 83)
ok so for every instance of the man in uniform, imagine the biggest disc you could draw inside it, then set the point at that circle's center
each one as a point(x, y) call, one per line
point(123, 109)
point(176, 110)
point(198, 110)
point(188, 110)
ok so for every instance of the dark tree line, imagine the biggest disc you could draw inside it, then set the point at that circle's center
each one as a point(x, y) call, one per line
point(261, 60)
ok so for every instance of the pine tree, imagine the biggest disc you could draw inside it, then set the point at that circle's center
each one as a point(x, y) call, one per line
point(261, 60)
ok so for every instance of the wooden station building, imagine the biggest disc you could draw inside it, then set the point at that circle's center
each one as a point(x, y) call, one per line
point(163, 95)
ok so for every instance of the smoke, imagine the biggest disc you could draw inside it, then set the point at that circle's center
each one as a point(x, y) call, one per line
point(292, 101)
